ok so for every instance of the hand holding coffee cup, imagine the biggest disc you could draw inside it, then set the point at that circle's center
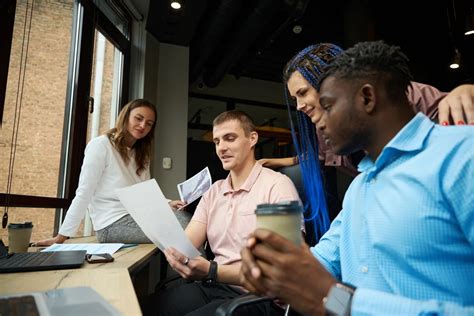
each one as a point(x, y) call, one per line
point(283, 218)
point(19, 235)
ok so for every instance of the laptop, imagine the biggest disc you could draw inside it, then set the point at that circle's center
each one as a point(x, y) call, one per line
point(67, 301)
point(38, 261)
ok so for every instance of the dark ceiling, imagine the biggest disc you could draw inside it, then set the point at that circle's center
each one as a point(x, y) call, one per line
point(255, 38)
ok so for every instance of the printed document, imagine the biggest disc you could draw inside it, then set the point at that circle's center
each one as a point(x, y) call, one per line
point(193, 188)
point(149, 208)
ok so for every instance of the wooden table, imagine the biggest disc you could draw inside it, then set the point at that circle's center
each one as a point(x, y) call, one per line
point(118, 282)
point(131, 258)
point(141, 261)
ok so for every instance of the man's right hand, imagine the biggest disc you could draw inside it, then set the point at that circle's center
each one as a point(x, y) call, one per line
point(192, 269)
point(276, 267)
point(59, 239)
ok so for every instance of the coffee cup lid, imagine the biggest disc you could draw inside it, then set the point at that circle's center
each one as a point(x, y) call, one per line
point(287, 207)
point(20, 225)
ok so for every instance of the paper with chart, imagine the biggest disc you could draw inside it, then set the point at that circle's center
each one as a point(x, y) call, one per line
point(149, 208)
point(193, 188)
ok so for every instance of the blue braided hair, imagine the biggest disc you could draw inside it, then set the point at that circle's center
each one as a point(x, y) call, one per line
point(310, 62)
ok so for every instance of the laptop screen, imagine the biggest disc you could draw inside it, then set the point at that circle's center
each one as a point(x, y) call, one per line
point(67, 301)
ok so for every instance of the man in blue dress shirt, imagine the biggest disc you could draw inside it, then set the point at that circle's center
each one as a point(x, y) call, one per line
point(404, 242)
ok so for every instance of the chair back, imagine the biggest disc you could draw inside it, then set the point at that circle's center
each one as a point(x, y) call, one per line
point(294, 173)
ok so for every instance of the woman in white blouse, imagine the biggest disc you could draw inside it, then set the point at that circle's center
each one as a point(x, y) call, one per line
point(119, 158)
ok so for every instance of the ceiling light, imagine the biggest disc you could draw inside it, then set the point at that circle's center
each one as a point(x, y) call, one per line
point(175, 5)
point(297, 29)
point(456, 61)
point(469, 28)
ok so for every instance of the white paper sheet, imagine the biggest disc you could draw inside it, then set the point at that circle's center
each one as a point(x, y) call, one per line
point(149, 208)
point(191, 189)
point(90, 248)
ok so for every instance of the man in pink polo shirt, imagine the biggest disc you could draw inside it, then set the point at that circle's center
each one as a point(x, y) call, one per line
point(224, 217)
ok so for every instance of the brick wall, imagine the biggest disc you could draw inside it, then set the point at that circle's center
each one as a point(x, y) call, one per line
point(39, 139)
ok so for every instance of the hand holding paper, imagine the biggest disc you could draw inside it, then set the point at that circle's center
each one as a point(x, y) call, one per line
point(191, 269)
point(176, 205)
point(149, 208)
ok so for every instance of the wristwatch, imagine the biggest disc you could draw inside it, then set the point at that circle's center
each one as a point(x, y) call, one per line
point(211, 279)
point(339, 299)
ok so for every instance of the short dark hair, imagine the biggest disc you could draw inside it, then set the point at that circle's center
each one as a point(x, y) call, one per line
point(245, 120)
point(376, 60)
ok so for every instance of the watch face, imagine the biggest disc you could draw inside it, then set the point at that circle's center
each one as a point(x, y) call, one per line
point(338, 301)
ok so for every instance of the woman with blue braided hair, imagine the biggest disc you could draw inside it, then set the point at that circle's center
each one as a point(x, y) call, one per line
point(301, 77)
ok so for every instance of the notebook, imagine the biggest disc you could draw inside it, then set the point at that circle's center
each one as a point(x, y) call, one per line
point(67, 301)
point(37, 261)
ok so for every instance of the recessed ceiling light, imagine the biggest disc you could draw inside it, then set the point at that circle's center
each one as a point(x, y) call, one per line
point(297, 29)
point(456, 60)
point(469, 27)
point(176, 5)
point(454, 66)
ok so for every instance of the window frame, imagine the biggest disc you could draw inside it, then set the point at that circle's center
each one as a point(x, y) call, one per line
point(7, 21)
point(86, 18)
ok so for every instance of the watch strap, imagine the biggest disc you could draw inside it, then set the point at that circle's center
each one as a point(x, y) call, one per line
point(339, 299)
point(211, 278)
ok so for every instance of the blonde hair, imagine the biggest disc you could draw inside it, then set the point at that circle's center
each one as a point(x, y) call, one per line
point(118, 134)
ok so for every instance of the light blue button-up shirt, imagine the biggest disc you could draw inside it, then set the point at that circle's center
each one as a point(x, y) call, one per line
point(405, 236)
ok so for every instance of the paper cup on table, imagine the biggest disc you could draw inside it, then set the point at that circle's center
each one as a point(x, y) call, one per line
point(19, 235)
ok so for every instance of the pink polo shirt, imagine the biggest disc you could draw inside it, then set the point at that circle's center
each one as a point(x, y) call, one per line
point(230, 214)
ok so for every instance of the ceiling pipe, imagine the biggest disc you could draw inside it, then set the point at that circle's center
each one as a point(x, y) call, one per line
point(212, 36)
point(248, 32)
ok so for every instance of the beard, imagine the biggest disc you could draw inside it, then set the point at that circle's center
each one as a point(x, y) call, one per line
point(354, 135)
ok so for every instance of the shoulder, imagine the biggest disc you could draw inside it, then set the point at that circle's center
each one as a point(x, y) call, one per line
point(99, 146)
point(454, 145)
point(275, 181)
point(455, 136)
point(273, 177)
point(99, 141)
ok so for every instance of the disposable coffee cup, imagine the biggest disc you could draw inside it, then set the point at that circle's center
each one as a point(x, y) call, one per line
point(19, 235)
point(283, 218)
